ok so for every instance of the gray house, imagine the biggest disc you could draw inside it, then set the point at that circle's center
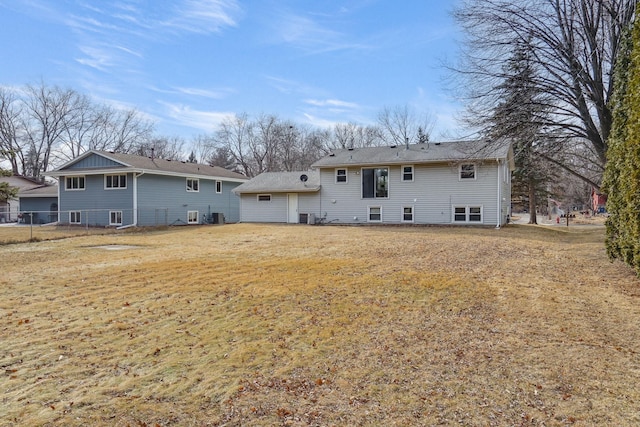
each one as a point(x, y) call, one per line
point(112, 189)
point(434, 183)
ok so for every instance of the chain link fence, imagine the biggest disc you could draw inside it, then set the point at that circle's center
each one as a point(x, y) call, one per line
point(46, 225)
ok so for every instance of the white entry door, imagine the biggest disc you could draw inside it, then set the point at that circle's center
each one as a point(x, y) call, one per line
point(292, 202)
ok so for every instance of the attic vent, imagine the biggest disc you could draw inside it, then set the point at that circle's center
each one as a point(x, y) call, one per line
point(394, 146)
point(304, 178)
point(350, 149)
point(332, 155)
point(436, 143)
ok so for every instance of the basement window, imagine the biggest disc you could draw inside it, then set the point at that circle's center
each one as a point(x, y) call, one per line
point(375, 214)
point(115, 218)
point(407, 214)
point(75, 217)
point(192, 217)
point(467, 214)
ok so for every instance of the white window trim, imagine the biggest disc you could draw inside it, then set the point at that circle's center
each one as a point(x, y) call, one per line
point(191, 190)
point(66, 188)
point(475, 172)
point(218, 187)
point(126, 180)
point(189, 221)
point(263, 201)
point(111, 216)
point(78, 214)
point(467, 214)
point(369, 214)
point(346, 175)
point(413, 214)
point(413, 171)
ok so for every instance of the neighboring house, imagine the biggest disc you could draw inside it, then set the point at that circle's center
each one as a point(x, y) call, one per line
point(431, 183)
point(39, 205)
point(111, 189)
point(280, 197)
point(598, 201)
point(9, 210)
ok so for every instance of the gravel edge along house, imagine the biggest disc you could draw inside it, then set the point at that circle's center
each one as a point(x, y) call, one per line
point(101, 188)
point(464, 183)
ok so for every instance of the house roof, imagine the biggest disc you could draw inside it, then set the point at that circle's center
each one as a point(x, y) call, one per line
point(41, 191)
point(131, 162)
point(21, 182)
point(281, 182)
point(433, 152)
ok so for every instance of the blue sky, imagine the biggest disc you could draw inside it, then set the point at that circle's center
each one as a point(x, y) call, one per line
point(186, 64)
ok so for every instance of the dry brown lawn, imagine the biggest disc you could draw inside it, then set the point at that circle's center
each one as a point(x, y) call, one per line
point(296, 325)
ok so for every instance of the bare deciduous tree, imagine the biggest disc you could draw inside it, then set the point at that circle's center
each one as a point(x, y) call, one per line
point(403, 125)
point(574, 46)
point(43, 125)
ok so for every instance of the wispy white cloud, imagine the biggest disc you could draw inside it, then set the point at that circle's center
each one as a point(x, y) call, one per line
point(319, 122)
point(204, 16)
point(311, 35)
point(204, 93)
point(332, 103)
point(289, 87)
point(191, 91)
point(95, 57)
point(184, 115)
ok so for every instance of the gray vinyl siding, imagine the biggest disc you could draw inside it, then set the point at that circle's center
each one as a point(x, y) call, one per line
point(165, 200)
point(95, 201)
point(41, 208)
point(309, 203)
point(435, 190)
point(94, 161)
point(276, 210)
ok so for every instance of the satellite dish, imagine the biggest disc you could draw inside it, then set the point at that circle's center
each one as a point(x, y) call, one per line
point(304, 178)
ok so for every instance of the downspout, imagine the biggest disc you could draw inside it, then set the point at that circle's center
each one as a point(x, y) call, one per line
point(135, 202)
point(499, 211)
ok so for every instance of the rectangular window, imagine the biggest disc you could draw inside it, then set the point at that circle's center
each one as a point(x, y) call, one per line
point(264, 197)
point(219, 187)
point(407, 214)
point(407, 173)
point(75, 217)
point(193, 185)
point(192, 217)
point(375, 214)
point(467, 214)
point(375, 183)
point(341, 175)
point(115, 218)
point(468, 171)
point(115, 181)
point(74, 183)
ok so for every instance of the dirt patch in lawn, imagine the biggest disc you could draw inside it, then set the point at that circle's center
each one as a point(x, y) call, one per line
point(301, 325)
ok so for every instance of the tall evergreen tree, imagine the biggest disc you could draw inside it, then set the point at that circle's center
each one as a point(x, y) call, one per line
point(622, 173)
point(518, 118)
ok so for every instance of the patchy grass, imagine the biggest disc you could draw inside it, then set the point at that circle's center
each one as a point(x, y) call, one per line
point(297, 325)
